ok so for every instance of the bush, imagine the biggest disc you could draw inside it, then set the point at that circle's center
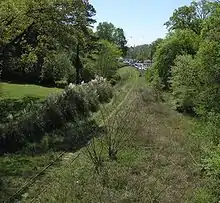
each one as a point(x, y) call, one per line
point(12, 108)
point(178, 43)
point(56, 67)
point(107, 63)
point(73, 105)
point(115, 79)
point(61, 83)
point(208, 74)
point(183, 83)
point(88, 72)
point(195, 82)
point(150, 73)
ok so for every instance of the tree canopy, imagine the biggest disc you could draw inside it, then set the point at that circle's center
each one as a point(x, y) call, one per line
point(49, 40)
point(107, 31)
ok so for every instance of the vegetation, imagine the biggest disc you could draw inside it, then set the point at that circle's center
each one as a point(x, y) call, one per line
point(60, 123)
point(144, 52)
point(72, 105)
point(109, 135)
point(152, 160)
point(18, 91)
point(48, 41)
point(46, 47)
point(107, 31)
point(187, 64)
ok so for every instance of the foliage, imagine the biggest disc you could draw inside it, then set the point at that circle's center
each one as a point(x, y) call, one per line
point(12, 108)
point(144, 52)
point(190, 17)
point(32, 32)
point(154, 46)
point(183, 83)
point(107, 31)
point(189, 60)
point(73, 105)
point(56, 67)
point(180, 42)
point(141, 52)
point(195, 82)
point(106, 62)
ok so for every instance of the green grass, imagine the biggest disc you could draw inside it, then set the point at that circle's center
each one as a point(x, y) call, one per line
point(128, 78)
point(18, 91)
point(152, 166)
point(15, 170)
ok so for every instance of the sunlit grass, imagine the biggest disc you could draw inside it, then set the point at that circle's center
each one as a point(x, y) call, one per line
point(18, 91)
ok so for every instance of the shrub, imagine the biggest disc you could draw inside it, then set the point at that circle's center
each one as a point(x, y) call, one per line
point(184, 84)
point(178, 43)
point(61, 83)
point(208, 74)
point(115, 79)
point(12, 108)
point(56, 67)
point(74, 104)
point(150, 73)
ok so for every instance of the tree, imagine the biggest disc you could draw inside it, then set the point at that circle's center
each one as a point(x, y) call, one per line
point(184, 83)
point(178, 43)
point(107, 31)
point(140, 52)
point(33, 29)
point(189, 17)
point(120, 40)
point(153, 47)
point(106, 62)
point(211, 27)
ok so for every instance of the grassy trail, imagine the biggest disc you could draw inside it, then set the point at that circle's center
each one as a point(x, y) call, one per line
point(154, 165)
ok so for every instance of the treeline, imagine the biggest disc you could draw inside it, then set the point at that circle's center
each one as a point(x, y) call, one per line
point(187, 61)
point(51, 42)
point(187, 64)
point(143, 52)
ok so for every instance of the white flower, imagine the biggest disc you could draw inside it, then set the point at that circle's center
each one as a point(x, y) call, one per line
point(94, 81)
point(82, 82)
point(10, 116)
point(71, 85)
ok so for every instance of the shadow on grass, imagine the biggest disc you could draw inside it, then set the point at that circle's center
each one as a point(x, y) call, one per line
point(17, 168)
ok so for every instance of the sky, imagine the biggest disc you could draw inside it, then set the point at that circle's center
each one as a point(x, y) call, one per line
point(141, 20)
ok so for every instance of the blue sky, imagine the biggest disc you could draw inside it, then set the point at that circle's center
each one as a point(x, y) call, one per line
point(142, 20)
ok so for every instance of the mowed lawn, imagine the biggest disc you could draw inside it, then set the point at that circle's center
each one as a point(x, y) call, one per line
point(19, 91)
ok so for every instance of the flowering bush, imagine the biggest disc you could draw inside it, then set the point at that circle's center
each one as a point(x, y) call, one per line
point(73, 105)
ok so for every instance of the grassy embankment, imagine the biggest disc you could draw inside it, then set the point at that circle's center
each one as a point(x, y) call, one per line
point(17, 169)
point(155, 162)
